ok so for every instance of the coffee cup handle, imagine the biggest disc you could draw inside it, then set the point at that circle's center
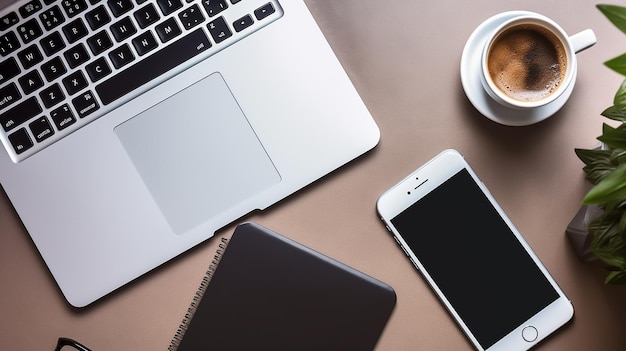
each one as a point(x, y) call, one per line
point(583, 40)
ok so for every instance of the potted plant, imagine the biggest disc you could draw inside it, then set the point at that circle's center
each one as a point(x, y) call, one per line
point(605, 168)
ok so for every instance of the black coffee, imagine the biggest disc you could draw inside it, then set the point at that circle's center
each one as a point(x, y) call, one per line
point(527, 62)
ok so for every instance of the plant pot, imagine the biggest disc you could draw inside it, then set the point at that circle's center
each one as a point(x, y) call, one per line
point(578, 235)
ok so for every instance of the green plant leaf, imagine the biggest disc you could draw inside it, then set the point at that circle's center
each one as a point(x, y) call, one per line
point(615, 113)
point(616, 277)
point(620, 97)
point(618, 64)
point(611, 187)
point(614, 138)
point(615, 14)
point(590, 156)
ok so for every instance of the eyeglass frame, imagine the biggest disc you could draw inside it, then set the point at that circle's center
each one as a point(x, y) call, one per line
point(72, 343)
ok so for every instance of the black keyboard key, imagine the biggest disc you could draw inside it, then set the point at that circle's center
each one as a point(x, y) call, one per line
point(97, 17)
point(169, 6)
point(264, 11)
point(52, 17)
point(8, 43)
point(19, 114)
point(75, 30)
point(168, 30)
point(30, 8)
point(120, 7)
point(41, 129)
point(30, 56)
point(191, 17)
point(8, 20)
point(62, 117)
point(213, 7)
point(98, 69)
point(219, 30)
point(49, 2)
point(76, 55)
point(53, 69)
point(51, 95)
point(9, 95)
point(243, 23)
point(85, 104)
point(145, 43)
point(30, 82)
point(73, 7)
point(75, 82)
point(123, 29)
point(153, 66)
point(121, 56)
point(20, 141)
point(146, 15)
point(52, 44)
point(8, 70)
point(99, 43)
point(29, 31)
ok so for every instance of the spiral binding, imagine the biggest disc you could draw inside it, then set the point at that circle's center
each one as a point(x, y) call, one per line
point(180, 332)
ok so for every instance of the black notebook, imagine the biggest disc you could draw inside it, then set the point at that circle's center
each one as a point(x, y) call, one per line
point(266, 292)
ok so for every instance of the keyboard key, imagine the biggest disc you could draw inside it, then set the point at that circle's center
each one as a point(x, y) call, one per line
point(121, 56)
point(20, 141)
point(75, 82)
point(146, 16)
point(30, 8)
point(168, 30)
point(29, 31)
point(75, 30)
point(8, 43)
point(19, 114)
point(53, 69)
point(243, 23)
point(62, 117)
point(85, 104)
point(153, 66)
point(213, 7)
point(52, 17)
point(119, 7)
point(123, 29)
point(145, 43)
point(264, 11)
point(51, 95)
point(219, 30)
point(169, 6)
point(73, 7)
point(76, 56)
point(8, 69)
point(30, 56)
point(8, 20)
point(41, 129)
point(191, 17)
point(97, 17)
point(9, 95)
point(99, 43)
point(98, 69)
point(52, 44)
point(30, 82)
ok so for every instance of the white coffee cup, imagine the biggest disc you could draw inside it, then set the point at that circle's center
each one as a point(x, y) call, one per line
point(529, 61)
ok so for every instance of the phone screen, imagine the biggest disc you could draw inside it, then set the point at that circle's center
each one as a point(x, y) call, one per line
point(474, 258)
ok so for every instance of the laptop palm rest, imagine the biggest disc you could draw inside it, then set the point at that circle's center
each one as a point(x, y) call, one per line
point(216, 163)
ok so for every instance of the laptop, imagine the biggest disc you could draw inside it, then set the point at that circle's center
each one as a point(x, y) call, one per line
point(132, 130)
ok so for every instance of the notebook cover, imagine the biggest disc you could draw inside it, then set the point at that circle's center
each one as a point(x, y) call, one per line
point(270, 293)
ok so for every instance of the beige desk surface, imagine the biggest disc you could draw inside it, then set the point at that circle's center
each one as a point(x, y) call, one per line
point(403, 57)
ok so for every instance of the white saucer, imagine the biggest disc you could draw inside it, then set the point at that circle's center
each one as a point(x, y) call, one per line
point(470, 78)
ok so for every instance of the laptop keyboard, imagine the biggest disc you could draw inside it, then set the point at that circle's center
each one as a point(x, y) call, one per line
point(65, 63)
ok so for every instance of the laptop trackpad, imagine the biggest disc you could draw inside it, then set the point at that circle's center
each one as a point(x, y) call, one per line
point(197, 153)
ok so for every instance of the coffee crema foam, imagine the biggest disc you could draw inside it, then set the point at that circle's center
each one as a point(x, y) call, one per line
point(527, 62)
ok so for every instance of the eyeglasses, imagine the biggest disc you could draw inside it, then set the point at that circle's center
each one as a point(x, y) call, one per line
point(71, 343)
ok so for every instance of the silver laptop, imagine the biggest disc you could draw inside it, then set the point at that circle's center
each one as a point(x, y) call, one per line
point(132, 130)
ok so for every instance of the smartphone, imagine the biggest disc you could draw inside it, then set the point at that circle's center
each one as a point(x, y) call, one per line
point(485, 274)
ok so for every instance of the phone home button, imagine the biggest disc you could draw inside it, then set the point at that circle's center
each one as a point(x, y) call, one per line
point(530, 333)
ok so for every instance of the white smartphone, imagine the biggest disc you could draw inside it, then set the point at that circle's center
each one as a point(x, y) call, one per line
point(451, 228)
